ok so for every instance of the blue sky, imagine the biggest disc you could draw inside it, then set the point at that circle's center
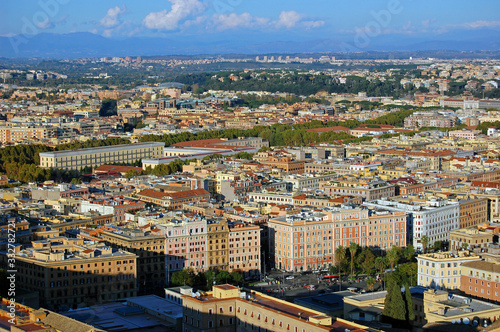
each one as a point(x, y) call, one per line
point(291, 19)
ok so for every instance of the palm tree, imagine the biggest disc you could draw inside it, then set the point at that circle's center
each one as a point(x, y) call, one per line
point(370, 283)
point(393, 256)
point(353, 247)
point(339, 259)
point(425, 242)
point(381, 265)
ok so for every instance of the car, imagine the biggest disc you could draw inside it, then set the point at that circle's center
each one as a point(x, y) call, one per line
point(290, 278)
point(316, 271)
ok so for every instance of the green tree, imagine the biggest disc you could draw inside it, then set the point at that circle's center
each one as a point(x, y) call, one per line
point(339, 258)
point(425, 242)
point(410, 313)
point(370, 283)
point(366, 260)
point(409, 253)
point(183, 277)
point(393, 256)
point(108, 108)
point(353, 247)
point(223, 277)
point(381, 264)
point(465, 246)
point(131, 174)
point(438, 245)
point(237, 277)
point(210, 276)
point(394, 304)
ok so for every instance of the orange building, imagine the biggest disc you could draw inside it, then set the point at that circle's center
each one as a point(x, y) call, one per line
point(286, 164)
point(307, 240)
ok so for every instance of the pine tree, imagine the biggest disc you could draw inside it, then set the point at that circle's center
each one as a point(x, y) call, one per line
point(409, 304)
point(395, 306)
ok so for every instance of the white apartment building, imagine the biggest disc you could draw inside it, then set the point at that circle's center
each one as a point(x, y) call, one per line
point(434, 218)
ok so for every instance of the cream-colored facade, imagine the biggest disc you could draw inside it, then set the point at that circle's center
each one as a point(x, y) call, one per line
point(226, 308)
point(471, 237)
point(442, 270)
point(94, 157)
point(440, 307)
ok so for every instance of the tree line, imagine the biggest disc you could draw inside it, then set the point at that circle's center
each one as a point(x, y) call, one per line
point(205, 280)
point(296, 83)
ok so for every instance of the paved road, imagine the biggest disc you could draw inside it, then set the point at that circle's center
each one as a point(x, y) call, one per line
point(292, 288)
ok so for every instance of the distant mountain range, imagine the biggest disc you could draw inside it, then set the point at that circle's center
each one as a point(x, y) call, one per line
point(84, 44)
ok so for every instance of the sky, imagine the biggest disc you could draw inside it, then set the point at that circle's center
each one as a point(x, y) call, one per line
point(265, 19)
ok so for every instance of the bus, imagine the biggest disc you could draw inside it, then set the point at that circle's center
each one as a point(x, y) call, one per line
point(330, 277)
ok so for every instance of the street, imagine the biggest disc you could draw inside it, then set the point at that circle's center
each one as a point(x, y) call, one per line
point(296, 287)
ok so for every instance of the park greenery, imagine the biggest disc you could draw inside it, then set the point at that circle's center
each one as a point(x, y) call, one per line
point(205, 280)
point(294, 82)
point(353, 259)
point(396, 269)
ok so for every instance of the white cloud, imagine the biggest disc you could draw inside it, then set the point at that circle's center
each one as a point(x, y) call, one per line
point(234, 21)
point(426, 23)
point(197, 21)
point(289, 19)
point(112, 18)
point(481, 24)
point(313, 24)
point(169, 20)
point(47, 24)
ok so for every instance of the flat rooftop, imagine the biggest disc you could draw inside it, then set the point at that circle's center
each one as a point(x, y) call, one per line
point(100, 149)
point(108, 317)
point(369, 296)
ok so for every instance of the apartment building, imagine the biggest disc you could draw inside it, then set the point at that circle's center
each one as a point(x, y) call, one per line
point(470, 238)
point(465, 193)
point(70, 273)
point(95, 157)
point(26, 134)
point(116, 207)
point(271, 197)
point(150, 249)
point(286, 164)
point(368, 189)
point(481, 279)
point(322, 201)
point(428, 119)
point(244, 248)
point(226, 308)
point(173, 200)
point(380, 230)
point(433, 217)
point(302, 182)
point(307, 240)
point(185, 244)
point(473, 212)
point(218, 244)
point(442, 270)
point(328, 167)
point(301, 242)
